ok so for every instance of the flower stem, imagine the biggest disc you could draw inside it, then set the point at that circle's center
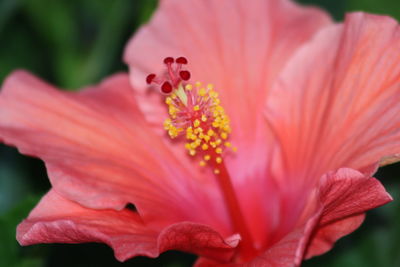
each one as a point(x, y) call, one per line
point(247, 249)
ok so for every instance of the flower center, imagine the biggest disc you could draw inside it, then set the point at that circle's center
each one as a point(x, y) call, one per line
point(195, 112)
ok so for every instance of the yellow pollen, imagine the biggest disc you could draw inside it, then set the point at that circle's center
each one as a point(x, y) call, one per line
point(224, 135)
point(196, 123)
point(195, 112)
point(168, 101)
point(202, 92)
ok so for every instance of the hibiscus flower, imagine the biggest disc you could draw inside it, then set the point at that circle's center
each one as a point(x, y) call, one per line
point(312, 107)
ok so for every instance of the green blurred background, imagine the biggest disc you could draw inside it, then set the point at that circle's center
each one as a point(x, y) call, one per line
point(73, 43)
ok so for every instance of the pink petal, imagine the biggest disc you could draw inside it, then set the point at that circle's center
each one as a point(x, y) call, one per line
point(326, 236)
point(345, 195)
point(288, 251)
point(337, 102)
point(58, 220)
point(240, 46)
point(100, 152)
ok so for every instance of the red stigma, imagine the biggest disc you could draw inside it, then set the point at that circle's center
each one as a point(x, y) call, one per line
point(184, 74)
point(181, 60)
point(150, 78)
point(173, 77)
point(168, 60)
point(166, 88)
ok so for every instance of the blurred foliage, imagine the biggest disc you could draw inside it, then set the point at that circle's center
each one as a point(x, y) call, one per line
point(71, 43)
point(10, 252)
point(74, 43)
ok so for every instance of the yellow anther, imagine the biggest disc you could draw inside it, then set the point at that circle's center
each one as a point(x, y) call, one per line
point(194, 144)
point(210, 132)
point(202, 92)
point(187, 146)
point(218, 141)
point(234, 149)
point(213, 94)
point(203, 118)
point(172, 110)
point(168, 101)
point(228, 144)
point(198, 84)
point(198, 130)
point(196, 108)
point(173, 132)
point(218, 150)
point(224, 135)
point(218, 160)
point(189, 87)
point(217, 171)
point(196, 123)
point(210, 86)
point(207, 157)
point(192, 152)
point(202, 163)
point(204, 147)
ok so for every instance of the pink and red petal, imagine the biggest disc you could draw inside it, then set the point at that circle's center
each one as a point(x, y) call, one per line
point(100, 152)
point(336, 102)
point(345, 196)
point(58, 220)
